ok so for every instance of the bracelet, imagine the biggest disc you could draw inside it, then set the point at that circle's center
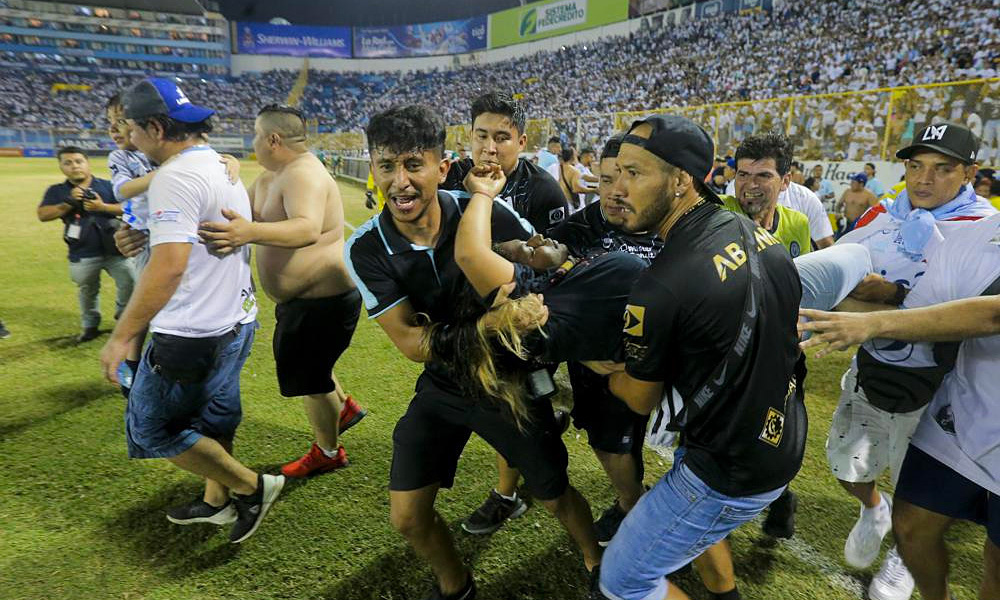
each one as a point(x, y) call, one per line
point(492, 198)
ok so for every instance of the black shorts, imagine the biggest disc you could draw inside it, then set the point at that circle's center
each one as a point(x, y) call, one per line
point(309, 337)
point(429, 438)
point(930, 484)
point(610, 424)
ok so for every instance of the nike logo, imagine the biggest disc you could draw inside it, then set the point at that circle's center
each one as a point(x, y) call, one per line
point(722, 376)
point(753, 304)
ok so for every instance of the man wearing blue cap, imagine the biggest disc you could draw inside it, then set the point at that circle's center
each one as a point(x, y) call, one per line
point(855, 201)
point(200, 307)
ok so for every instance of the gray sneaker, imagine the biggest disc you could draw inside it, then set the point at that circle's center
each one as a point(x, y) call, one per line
point(200, 511)
point(492, 514)
point(252, 509)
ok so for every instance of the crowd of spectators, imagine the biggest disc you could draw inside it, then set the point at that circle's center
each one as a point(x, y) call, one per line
point(29, 100)
point(803, 48)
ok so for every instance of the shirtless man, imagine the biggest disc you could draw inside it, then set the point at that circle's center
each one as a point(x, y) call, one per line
point(855, 201)
point(299, 229)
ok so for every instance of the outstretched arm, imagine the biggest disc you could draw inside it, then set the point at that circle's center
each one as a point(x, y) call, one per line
point(950, 321)
point(485, 269)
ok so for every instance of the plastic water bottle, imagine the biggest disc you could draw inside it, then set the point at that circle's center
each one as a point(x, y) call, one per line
point(125, 374)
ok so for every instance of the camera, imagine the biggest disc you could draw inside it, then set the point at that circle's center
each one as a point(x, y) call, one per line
point(89, 194)
point(541, 386)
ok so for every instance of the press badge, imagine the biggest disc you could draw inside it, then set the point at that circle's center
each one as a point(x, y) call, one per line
point(73, 231)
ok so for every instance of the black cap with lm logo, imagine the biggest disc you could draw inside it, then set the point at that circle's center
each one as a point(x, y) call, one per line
point(950, 139)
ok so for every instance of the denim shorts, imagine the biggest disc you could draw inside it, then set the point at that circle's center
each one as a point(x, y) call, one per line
point(671, 525)
point(164, 418)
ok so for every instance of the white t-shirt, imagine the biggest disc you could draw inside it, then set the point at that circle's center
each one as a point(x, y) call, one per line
point(802, 199)
point(963, 267)
point(216, 292)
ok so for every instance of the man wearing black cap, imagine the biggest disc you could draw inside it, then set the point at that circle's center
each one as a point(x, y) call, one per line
point(200, 307)
point(890, 382)
point(729, 384)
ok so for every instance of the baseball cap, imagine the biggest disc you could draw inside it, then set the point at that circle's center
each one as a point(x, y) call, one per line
point(680, 142)
point(156, 96)
point(950, 139)
point(860, 178)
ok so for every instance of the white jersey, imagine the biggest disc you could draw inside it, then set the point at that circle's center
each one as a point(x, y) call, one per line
point(804, 200)
point(126, 165)
point(216, 291)
point(961, 428)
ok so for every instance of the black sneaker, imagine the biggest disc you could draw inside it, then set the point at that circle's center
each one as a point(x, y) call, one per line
point(251, 509)
point(563, 420)
point(200, 511)
point(608, 524)
point(492, 514)
point(88, 333)
point(4, 332)
point(466, 593)
point(780, 520)
point(595, 592)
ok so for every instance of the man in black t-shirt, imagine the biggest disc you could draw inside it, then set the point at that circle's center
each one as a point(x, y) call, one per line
point(498, 138)
point(403, 263)
point(87, 207)
point(710, 332)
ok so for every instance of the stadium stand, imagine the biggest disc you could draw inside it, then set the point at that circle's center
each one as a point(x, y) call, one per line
point(747, 58)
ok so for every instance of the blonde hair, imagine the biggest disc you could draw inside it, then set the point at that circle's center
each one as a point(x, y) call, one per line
point(471, 349)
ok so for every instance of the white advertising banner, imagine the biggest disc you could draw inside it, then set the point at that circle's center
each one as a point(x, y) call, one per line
point(839, 172)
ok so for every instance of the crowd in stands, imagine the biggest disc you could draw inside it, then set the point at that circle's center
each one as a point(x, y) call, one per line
point(28, 99)
point(804, 48)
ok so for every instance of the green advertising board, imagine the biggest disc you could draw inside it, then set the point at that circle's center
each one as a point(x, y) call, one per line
point(555, 17)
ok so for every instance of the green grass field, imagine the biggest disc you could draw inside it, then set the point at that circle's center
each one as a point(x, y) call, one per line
point(78, 519)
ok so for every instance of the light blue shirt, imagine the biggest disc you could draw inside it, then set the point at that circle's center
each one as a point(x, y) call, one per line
point(875, 187)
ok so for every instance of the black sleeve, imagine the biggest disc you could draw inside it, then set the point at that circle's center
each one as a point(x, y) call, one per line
point(575, 233)
point(104, 190)
point(547, 205)
point(507, 224)
point(455, 180)
point(369, 267)
point(54, 195)
point(651, 316)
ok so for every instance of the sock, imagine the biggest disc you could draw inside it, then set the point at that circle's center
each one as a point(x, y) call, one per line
point(875, 509)
point(733, 594)
point(328, 453)
point(507, 498)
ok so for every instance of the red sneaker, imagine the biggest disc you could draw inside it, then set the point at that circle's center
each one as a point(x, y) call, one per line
point(351, 414)
point(315, 462)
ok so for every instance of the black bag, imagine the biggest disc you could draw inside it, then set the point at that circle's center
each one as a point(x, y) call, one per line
point(106, 228)
point(187, 360)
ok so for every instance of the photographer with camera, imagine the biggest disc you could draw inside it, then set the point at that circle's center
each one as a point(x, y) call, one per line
point(88, 209)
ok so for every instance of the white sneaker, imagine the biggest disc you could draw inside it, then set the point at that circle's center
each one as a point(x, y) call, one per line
point(893, 581)
point(865, 539)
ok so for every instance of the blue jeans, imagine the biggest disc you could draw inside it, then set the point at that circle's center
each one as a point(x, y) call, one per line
point(671, 525)
point(164, 418)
